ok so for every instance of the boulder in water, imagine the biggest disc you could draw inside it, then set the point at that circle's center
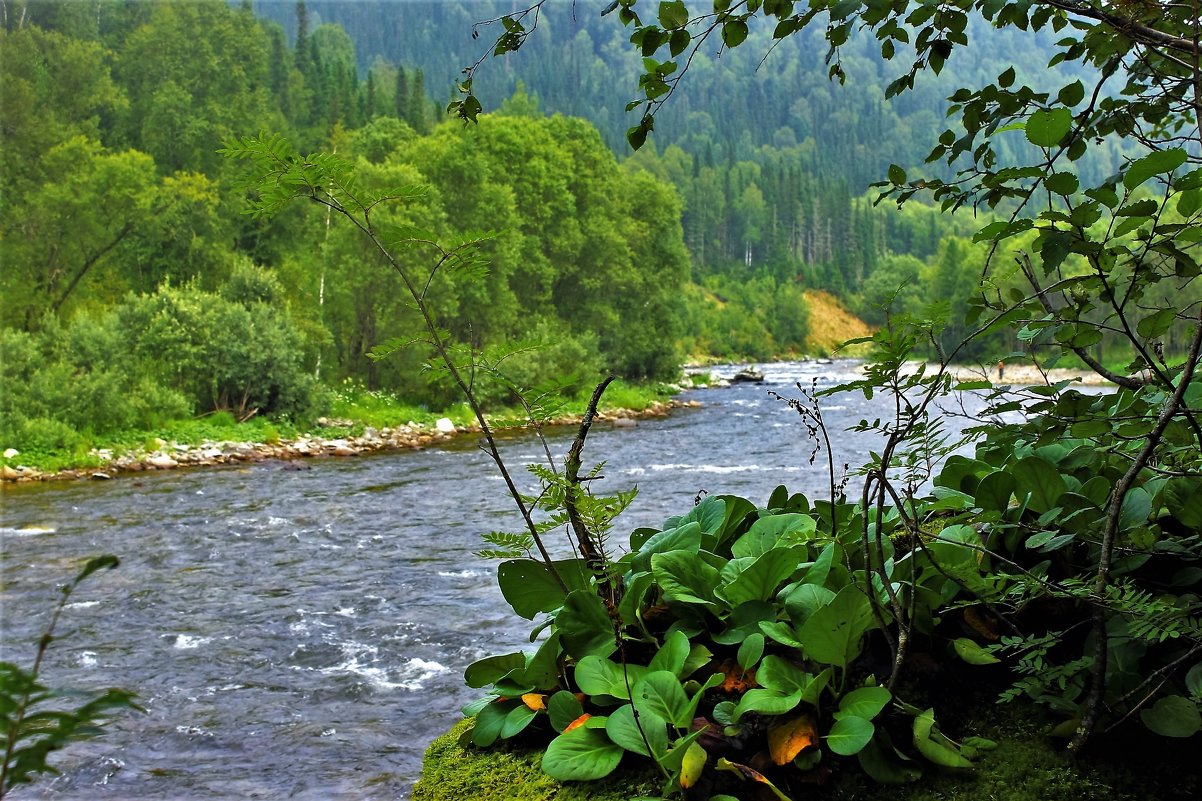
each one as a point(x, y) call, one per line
point(749, 375)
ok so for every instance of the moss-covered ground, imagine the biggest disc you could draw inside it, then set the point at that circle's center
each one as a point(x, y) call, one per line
point(1028, 765)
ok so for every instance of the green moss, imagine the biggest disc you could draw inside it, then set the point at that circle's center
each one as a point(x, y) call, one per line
point(453, 773)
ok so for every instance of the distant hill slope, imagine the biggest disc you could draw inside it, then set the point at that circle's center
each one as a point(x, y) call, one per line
point(831, 324)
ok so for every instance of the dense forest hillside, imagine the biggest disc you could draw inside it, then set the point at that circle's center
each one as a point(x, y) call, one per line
point(735, 101)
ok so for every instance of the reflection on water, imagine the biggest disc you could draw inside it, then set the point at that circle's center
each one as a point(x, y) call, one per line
point(303, 634)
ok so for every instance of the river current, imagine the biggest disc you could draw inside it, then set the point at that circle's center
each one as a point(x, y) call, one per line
point(300, 630)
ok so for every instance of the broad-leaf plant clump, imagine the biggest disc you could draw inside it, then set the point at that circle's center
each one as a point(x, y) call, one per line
point(772, 645)
point(768, 642)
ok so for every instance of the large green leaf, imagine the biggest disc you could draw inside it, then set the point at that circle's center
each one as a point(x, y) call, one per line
point(1173, 716)
point(582, 754)
point(530, 588)
point(805, 600)
point(596, 675)
point(750, 651)
point(1040, 480)
point(673, 14)
point(542, 669)
point(849, 735)
point(769, 532)
point(759, 580)
point(865, 702)
point(672, 655)
point(684, 577)
point(710, 515)
point(686, 537)
point(778, 673)
point(490, 720)
point(973, 653)
point(934, 746)
point(1137, 506)
point(1157, 163)
point(994, 491)
point(584, 625)
point(766, 702)
point(783, 686)
point(563, 708)
point(818, 572)
point(834, 634)
point(492, 669)
point(517, 720)
point(662, 694)
point(623, 729)
point(1047, 128)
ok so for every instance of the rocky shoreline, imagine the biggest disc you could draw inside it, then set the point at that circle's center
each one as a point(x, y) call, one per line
point(410, 436)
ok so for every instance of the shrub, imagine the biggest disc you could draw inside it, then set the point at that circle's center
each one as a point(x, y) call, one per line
point(224, 354)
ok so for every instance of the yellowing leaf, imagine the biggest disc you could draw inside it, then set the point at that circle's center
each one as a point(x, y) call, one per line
point(580, 721)
point(692, 766)
point(535, 701)
point(788, 739)
point(750, 774)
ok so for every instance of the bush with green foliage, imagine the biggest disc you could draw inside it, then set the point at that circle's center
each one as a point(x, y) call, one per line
point(65, 383)
point(235, 350)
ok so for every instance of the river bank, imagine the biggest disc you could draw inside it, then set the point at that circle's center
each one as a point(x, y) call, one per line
point(1027, 375)
point(353, 436)
point(169, 455)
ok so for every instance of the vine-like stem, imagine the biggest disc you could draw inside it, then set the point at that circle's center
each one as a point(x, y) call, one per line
point(584, 538)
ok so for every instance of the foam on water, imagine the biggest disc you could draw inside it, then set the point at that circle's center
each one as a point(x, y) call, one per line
point(458, 573)
point(360, 659)
point(708, 468)
point(26, 531)
point(187, 642)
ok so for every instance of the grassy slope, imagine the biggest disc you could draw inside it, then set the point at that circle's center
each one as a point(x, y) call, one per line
point(831, 324)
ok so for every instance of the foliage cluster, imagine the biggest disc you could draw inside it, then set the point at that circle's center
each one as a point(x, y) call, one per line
point(757, 319)
point(151, 359)
point(769, 643)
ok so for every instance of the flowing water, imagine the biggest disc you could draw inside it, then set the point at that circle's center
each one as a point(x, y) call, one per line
point(302, 633)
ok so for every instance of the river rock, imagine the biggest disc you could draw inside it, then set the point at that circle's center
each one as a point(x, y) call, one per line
point(8, 474)
point(100, 476)
point(344, 450)
point(444, 425)
point(162, 462)
point(11, 452)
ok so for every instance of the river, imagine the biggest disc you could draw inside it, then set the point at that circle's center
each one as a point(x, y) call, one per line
point(302, 633)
